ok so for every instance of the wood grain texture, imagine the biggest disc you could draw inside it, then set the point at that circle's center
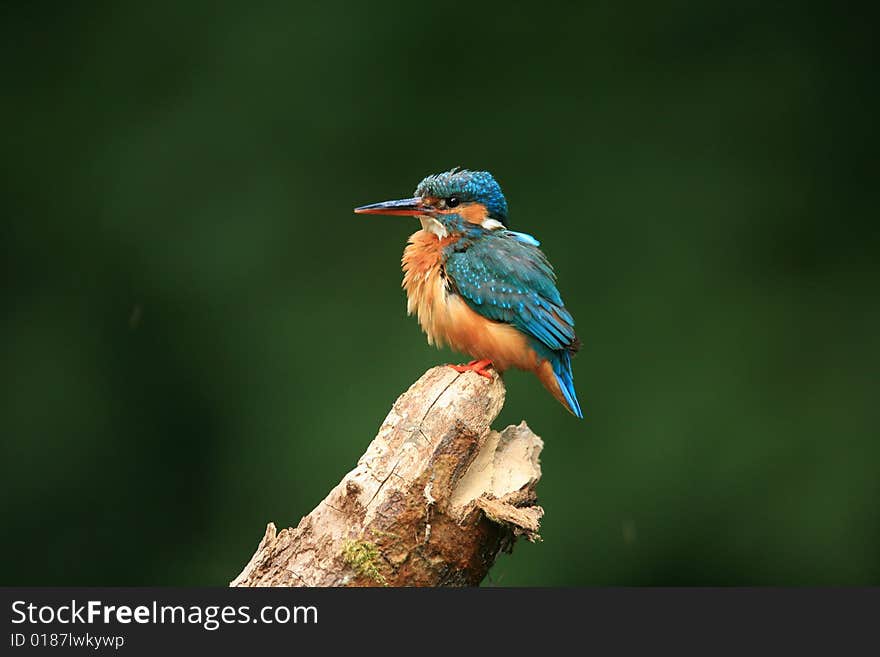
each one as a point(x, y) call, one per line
point(432, 502)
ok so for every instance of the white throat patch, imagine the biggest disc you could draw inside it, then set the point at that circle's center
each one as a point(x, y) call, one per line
point(433, 226)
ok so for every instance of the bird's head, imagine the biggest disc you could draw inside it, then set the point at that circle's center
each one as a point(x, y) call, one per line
point(455, 202)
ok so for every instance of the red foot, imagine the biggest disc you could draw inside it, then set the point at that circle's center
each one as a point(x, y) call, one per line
point(476, 366)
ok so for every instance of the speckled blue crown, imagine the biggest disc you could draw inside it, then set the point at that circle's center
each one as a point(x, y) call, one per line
point(477, 186)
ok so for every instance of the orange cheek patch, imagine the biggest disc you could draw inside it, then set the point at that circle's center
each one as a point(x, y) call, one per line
point(474, 213)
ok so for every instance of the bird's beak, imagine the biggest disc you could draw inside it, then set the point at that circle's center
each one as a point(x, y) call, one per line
point(403, 207)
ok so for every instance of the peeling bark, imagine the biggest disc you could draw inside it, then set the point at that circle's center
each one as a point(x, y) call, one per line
point(432, 502)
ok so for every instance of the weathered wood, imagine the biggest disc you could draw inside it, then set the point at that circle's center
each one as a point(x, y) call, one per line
point(432, 502)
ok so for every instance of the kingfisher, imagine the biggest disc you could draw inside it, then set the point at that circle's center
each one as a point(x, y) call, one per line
point(481, 288)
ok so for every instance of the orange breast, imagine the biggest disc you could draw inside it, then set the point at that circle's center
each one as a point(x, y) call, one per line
point(445, 317)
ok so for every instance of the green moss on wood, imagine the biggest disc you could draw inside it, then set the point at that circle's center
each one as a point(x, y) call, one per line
point(363, 557)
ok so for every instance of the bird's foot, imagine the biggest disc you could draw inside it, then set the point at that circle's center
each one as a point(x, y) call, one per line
point(476, 366)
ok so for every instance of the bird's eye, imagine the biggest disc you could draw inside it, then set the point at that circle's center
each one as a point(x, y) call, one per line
point(452, 202)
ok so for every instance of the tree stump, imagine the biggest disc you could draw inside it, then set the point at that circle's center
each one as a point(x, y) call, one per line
point(432, 502)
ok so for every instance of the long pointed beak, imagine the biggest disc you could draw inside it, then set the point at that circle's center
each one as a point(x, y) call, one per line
point(404, 207)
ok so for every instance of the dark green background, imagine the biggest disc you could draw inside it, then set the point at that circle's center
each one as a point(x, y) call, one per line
point(199, 336)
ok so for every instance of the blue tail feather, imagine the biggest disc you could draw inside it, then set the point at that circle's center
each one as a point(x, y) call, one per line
point(562, 370)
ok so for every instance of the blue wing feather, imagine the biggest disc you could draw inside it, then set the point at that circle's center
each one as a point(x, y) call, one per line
point(508, 279)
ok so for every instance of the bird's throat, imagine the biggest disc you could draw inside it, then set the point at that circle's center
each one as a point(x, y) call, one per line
point(431, 225)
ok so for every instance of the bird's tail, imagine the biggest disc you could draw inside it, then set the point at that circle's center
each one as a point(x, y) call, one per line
point(556, 376)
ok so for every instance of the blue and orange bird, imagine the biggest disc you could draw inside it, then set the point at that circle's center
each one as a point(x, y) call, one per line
point(480, 288)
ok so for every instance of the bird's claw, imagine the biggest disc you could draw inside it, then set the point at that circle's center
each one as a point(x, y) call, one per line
point(475, 366)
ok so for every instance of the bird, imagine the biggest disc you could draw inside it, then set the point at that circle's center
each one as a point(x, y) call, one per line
point(480, 288)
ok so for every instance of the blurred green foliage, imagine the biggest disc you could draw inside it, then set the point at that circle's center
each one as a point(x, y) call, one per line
point(199, 336)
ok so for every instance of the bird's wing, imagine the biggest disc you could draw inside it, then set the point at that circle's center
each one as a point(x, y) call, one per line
point(509, 280)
